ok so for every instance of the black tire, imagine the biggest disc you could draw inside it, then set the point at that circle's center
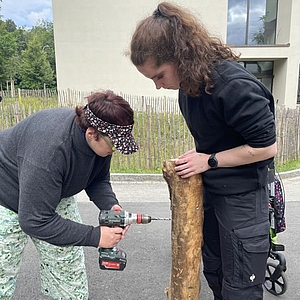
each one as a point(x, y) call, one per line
point(277, 287)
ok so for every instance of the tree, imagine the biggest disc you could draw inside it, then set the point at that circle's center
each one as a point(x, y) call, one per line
point(10, 25)
point(8, 48)
point(43, 31)
point(259, 36)
point(35, 69)
point(22, 49)
point(13, 67)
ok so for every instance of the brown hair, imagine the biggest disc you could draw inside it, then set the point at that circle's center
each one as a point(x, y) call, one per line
point(173, 35)
point(107, 106)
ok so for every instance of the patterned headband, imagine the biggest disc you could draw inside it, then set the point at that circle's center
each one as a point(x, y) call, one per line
point(120, 135)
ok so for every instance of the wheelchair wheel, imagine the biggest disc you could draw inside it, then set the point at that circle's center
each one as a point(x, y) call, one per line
point(275, 286)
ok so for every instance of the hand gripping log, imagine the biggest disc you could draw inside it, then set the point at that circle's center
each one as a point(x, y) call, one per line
point(186, 197)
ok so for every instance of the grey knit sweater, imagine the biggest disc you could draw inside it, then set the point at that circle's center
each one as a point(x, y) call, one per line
point(43, 159)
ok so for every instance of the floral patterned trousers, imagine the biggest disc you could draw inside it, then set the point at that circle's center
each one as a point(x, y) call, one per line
point(62, 269)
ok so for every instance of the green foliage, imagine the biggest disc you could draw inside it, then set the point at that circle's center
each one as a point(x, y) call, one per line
point(35, 69)
point(288, 166)
point(13, 66)
point(43, 31)
point(13, 110)
point(10, 25)
point(8, 48)
point(160, 135)
point(22, 49)
point(259, 36)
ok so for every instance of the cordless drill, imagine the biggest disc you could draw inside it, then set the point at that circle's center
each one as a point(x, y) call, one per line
point(114, 258)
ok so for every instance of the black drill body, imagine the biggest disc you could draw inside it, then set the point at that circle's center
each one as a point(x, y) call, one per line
point(114, 258)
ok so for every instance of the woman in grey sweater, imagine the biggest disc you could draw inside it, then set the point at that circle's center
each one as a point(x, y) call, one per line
point(45, 160)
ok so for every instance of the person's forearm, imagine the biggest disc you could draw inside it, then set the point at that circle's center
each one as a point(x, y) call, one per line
point(244, 154)
point(191, 162)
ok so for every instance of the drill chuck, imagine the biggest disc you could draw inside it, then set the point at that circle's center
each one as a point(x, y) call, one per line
point(138, 218)
point(122, 218)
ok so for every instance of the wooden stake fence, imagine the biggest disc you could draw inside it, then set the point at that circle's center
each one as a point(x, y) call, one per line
point(159, 127)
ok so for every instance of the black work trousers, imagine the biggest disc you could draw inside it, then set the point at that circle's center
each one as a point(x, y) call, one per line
point(236, 244)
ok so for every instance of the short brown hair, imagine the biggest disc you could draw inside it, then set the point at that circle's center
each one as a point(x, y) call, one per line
point(107, 106)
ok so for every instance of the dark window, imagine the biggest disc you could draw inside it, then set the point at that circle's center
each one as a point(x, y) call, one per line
point(251, 22)
point(262, 70)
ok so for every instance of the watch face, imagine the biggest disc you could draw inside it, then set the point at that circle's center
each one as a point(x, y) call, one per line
point(212, 161)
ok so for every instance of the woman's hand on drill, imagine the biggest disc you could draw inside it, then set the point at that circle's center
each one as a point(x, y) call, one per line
point(110, 237)
point(117, 207)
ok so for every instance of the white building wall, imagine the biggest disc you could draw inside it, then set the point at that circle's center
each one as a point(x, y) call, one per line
point(284, 21)
point(292, 77)
point(92, 37)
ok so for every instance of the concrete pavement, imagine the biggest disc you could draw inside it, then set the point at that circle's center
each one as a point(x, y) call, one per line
point(148, 247)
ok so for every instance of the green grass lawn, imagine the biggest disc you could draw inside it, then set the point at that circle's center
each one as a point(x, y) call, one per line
point(289, 166)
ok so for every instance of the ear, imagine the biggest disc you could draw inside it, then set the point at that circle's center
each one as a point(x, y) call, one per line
point(90, 133)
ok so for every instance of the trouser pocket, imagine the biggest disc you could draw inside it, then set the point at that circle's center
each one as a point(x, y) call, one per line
point(251, 249)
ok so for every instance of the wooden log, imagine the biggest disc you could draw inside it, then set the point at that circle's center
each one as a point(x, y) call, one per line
point(186, 197)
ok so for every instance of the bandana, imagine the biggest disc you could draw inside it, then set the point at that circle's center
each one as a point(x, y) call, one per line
point(120, 135)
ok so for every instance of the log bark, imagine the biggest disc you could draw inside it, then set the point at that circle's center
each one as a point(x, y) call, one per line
point(186, 197)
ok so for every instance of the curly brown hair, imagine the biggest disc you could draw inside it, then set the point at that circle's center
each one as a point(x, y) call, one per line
point(174, 35)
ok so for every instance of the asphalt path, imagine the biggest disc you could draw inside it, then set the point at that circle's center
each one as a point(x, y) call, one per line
point(148, 248)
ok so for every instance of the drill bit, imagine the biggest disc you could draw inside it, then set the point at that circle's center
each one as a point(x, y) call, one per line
point(161, 219)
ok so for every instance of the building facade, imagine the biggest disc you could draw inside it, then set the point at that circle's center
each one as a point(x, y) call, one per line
point(92, 39)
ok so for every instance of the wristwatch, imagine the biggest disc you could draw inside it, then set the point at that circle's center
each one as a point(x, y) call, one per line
point(212, 161)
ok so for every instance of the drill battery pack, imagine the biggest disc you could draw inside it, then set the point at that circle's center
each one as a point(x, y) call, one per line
point(112, 259)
